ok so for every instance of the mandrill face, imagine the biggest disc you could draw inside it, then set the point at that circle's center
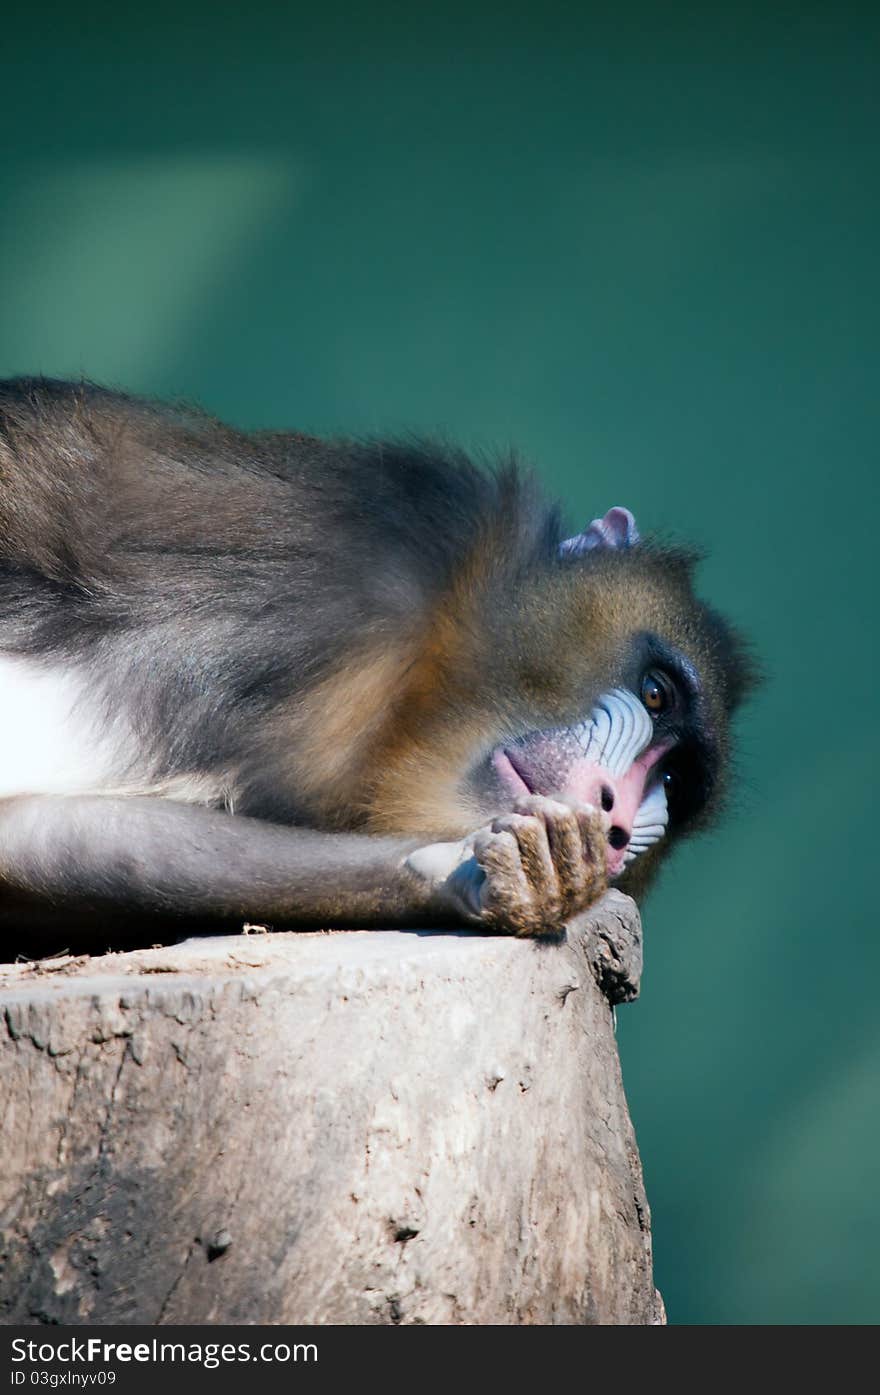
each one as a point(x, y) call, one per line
point(647, 750)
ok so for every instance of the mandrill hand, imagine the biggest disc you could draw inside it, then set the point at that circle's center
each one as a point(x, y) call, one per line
point(528, 872)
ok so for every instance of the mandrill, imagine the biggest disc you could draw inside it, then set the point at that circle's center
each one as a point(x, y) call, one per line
point(261, 676)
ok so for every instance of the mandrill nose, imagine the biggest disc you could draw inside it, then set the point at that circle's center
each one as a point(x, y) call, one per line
point(618, 836)
point(619, 794)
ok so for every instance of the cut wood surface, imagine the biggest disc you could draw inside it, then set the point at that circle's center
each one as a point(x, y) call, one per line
point(343, 1127)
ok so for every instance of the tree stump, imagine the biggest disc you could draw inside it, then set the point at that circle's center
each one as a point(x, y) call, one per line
point(342, 1127)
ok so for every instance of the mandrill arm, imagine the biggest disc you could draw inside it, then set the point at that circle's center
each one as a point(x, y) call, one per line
point(119, 862)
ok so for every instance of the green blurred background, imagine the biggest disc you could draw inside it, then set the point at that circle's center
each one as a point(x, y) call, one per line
point(639, 242)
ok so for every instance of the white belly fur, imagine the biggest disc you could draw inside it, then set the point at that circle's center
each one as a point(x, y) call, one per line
point(57, 738)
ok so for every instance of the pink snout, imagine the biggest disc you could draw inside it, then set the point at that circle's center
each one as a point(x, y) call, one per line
point(619, 795)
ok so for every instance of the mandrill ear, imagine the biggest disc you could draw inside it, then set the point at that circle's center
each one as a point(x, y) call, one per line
point(616, 529)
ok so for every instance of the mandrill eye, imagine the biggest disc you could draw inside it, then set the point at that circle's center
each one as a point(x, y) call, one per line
point(656, 693)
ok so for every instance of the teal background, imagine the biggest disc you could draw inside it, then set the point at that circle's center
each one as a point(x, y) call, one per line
point(639, 242)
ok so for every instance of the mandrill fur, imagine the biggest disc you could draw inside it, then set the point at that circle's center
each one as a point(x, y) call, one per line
point(261, 676)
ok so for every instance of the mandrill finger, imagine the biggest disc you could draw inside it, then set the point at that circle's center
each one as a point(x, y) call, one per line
point(593, 830)
point(505, 887)
point(534, 852)
point(566, 848)
point(593, 827)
